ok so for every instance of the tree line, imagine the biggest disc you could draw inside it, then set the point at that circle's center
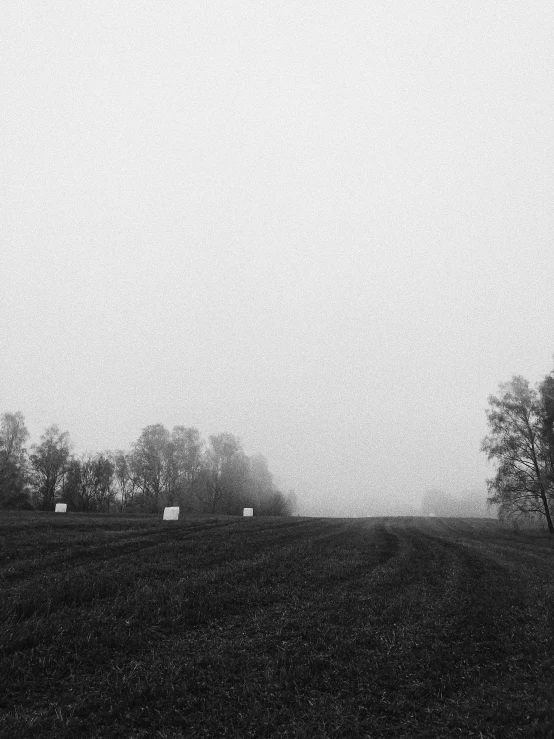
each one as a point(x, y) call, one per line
point(521, 443)
point(162, 468)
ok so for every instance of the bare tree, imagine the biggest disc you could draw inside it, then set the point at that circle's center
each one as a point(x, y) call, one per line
point(261, 480)
point(71, 492)
point(148, 462)
point(226, 467)
point(291, 502)
point(49, 462)
point(546, 395)
point(88, 483)
point(97, 474)
point(522, 484)
point(165, 467)
point(124, 480)
point(13, 460)
point(184, 462)
point(264, 496)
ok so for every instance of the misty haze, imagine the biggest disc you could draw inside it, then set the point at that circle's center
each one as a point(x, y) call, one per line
point(323, 229)
point(276, 369)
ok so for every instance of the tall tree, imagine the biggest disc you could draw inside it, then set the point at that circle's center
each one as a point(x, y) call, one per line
point(148, 463)
point(89, 483)
point(261, 479)
point(546, 395)
point(49, 463)
point(226, 468)
point(101, 480)
point(184, 464)
point(522, 484)
point(124, 480)
point(263, 494)
point(291, 502)
point(13, 460)
point(71, 492)
point(166, 466)
point(94, 482)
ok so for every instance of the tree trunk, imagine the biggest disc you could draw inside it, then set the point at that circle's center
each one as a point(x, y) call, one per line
point(547, 512)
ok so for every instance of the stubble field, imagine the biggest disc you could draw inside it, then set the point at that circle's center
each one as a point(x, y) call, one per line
point(267, 627)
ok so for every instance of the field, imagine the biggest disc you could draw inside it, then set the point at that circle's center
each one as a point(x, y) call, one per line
point(267, 627)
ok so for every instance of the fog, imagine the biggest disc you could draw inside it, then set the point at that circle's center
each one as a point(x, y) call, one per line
point(323, 227)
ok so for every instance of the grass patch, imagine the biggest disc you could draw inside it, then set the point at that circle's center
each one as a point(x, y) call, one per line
point(224, 626)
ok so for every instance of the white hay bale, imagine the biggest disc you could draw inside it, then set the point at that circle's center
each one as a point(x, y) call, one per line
point(248, 512)
point(171, 513)
point(61, 508)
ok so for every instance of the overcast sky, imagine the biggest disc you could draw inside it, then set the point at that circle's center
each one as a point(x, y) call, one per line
point(325, 227)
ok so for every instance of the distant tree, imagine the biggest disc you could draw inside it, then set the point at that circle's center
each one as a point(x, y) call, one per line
point(292, 503)
point(71, 492)
point(13, 461)
point(165, 467)
point(88, 484)
point(162, 468)
point(274, 504)
point(148, 462)
point(234, 481)
point(103, 476)
point(469, 504)
point(185, 465)
point(518, 442)
point(474, 504)
point(49, 462)
point(440, 503)
point(261, 480)
point(263, 495)
point(96, 482)
point(226, 468)
point(546, 396)
point(125, 483)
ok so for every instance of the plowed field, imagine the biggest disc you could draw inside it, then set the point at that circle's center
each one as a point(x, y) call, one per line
point(267, 627)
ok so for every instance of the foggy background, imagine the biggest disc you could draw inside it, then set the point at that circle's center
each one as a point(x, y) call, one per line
point(325, 227)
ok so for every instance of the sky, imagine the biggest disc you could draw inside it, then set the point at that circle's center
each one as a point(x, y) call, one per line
point(325, 227)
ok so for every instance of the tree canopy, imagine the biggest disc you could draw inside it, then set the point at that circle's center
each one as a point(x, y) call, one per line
point(520, 426)
point(161, 468)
